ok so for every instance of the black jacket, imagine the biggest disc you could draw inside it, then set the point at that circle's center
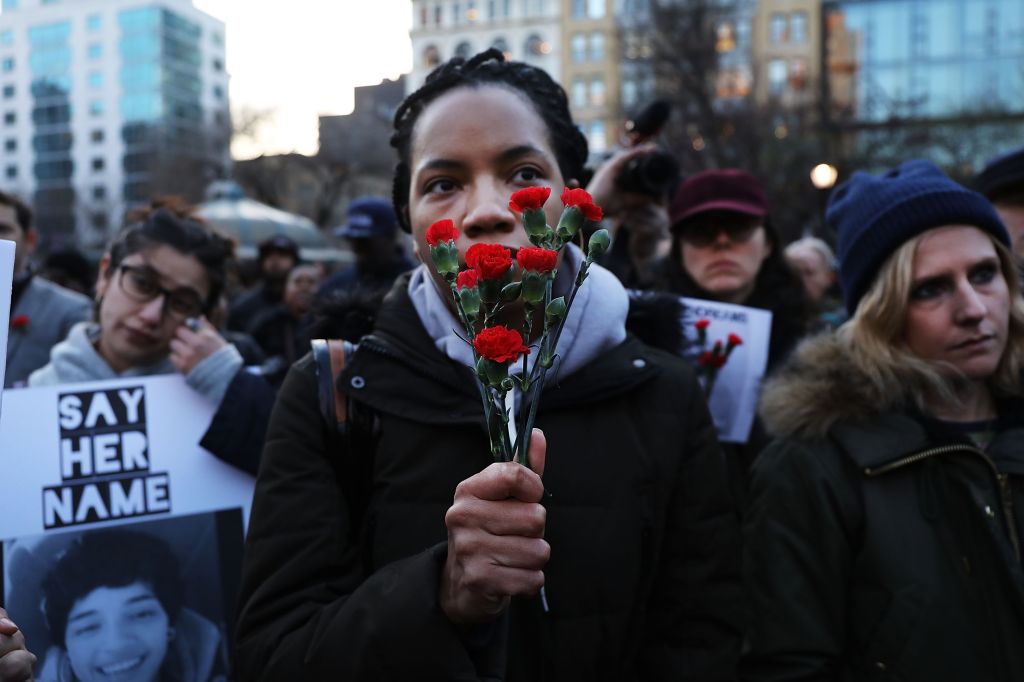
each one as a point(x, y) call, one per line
point(643, 578)
point(878, 546)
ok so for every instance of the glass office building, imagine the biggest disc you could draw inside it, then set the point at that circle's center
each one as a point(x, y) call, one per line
point(924, 58)
point(105, 103)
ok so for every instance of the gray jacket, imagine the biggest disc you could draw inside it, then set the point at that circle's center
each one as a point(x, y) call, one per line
point(51, 311)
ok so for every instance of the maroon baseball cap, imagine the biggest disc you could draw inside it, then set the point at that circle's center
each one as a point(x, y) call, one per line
point(730, 189)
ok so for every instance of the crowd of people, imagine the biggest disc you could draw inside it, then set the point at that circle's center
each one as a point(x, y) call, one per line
point(869, 527)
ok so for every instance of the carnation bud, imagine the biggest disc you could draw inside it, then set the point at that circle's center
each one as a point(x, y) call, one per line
point(470, 299)
point(507, 384)
point(495, 373)
point(555, 310)
point(510, 292)
point(535, 286)
point(598, 244)
point(446, 259)
point(570, 222)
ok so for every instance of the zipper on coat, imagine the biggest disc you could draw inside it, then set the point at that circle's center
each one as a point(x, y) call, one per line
point(1002, 481)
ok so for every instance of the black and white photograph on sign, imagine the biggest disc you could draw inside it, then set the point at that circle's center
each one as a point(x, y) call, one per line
point(136, 602)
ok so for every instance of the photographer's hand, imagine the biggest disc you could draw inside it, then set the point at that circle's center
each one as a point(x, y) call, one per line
point(496, 545)
point(602, 186)
point(16, 660)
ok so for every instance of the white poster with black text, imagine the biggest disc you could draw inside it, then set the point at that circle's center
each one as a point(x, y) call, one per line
point(122, 538)
point(744, 333)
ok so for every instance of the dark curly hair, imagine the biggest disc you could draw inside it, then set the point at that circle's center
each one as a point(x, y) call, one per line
point(169, 221)
point(488, 68)
point(110, 558)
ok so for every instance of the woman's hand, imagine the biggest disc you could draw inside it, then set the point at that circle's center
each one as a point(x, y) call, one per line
point(15, 660)
point(496, 545)
point(193, 342)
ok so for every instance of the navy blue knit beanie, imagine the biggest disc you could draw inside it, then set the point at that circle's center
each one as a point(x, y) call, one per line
point(874, 215)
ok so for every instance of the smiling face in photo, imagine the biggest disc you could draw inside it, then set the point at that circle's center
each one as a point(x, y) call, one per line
point(959, 309)
point(117, 634)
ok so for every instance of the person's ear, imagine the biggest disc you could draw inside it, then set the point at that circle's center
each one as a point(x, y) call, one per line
point(102, 277)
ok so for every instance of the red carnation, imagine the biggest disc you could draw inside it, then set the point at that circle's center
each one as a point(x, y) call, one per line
point(19, 322)
point(467, 278)
point(701, 325)
point(582, 201)
point(537, 260)
point(442, 231)
point(705, 359)
point(735, 340)
point(500, 344)
point(531, 198)
point(491, 261)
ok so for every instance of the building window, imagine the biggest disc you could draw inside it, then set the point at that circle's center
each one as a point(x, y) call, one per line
point(798, 27)
point(502, 45)
point(218, 65)
point(456, 13)
point(10, 4)
point(537, 46)
point(12, 172)
point(96, 107)
point(95, 80)
point(579, 9)
point(431, 56)
point(95, 51)
point(8, 91)
point(96, 135)
point(98, 164)
point(597, 91)
point(218, 92)
point(99, 221)
point(629, 93)
point(424, 13)
point(579, 92)
point(10, 145)
point(216, 38)
point(797, 76)
point(777, 29)
point(99, 193)
point(492, 9)
point(464, 50)
point(94, 22)
point(597, 140)
point(595, 9)
point(596, 46)
point(437, 15)
point(9, 118)
point(776, 76)
point(7, 37)
point(578, 47)
point(7, 65)
point(471, 12)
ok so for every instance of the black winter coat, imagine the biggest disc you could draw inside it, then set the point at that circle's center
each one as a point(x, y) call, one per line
point(880, 547)
point(643, 578)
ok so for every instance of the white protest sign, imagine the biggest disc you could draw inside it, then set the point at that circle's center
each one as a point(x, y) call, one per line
point(83, 454)
point(6, 280)
point(733, 400)
point(108, 500)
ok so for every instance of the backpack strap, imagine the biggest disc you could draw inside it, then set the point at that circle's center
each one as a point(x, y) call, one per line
point(330, 357)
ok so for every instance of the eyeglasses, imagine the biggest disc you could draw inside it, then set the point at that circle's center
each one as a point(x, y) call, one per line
point(703, 233)
point(141, 284)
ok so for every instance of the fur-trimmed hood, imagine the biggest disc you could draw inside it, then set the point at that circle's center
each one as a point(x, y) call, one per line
point(819, 386)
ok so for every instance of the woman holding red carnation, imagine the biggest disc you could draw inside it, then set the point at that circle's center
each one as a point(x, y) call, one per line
point(403, 552)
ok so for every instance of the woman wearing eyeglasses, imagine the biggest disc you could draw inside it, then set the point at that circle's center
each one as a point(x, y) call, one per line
point(158, 280)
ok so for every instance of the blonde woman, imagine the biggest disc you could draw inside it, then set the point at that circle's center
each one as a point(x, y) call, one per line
point(883, 535)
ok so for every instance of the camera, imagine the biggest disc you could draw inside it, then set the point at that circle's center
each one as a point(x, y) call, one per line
point(652, 174)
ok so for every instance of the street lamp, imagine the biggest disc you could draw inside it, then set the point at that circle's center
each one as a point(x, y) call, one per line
point(823, 177)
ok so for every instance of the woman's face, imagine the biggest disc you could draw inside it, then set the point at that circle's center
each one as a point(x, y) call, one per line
point(959, 308)
point(723, 252)
point(471, 149)
point(136, 331)
point(117, 634)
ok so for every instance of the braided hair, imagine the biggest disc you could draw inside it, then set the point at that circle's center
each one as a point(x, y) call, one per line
point(488, 68)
